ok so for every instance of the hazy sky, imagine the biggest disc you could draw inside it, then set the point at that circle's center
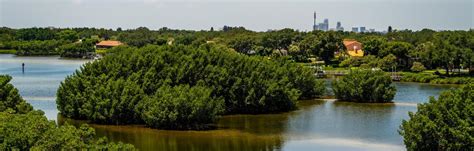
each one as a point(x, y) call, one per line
point(257, 15)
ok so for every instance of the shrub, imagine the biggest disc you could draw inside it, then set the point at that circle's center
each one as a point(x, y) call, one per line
point(180, 107)
point(47, 47)
point(364, 86)
point(417, 67)
point(22, 128)
point(32, 131)
point(78, 50)
point(443, 124)
point(10, 99)
point(111, 90)
point(418, 77)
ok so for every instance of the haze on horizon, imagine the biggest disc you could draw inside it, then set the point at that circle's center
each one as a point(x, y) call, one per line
point(259, 15)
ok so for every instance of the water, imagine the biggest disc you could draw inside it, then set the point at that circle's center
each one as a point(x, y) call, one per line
point(316, 125)
point(41, 79)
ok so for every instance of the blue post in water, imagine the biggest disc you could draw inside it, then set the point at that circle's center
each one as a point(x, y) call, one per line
point(23, 67)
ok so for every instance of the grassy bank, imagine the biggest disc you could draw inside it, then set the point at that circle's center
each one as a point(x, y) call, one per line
point(7, 51)
point(426, 77)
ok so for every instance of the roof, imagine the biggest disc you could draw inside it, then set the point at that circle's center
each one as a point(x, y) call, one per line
point(110, 43)
point(353, 53)
point(350, 41)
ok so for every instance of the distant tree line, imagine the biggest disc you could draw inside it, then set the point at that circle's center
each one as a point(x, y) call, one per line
point(399, 49)
point(22, 128)
point(182, 87)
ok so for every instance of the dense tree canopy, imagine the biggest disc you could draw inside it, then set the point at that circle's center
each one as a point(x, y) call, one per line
point(131, 86)
point(445, 123)
point(10, 99)
point(32, 131)
point(78, 49)
point(364, 86)
point(22, 128)
point(448, 50)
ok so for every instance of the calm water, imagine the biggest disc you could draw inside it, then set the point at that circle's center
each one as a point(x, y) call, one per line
point(317, 125)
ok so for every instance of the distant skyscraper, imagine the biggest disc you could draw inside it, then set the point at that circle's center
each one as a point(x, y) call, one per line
point(362, 29)
point(326, 24)
point(321, 26)
point(339, 26)
point(355, 29)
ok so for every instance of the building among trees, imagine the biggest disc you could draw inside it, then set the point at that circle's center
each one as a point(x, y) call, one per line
point(107, 44)
point(354, 48)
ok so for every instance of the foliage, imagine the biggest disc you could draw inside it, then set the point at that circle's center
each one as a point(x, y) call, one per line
point(36, 34)
point(364, 86)
point(453, 80)
point(242, 44)
point(418, 77)
point(139, 37)
point(180, 107)
point(399, 50)
point(114, 89)
point(434, 49)
point(32, 131)
point(435, 79)
point(79, 49)
point(417, 67)
point(388, 63)
point(372, 45)
point(47, 47)
point(69, 35)
point(8, 51)
point(22, 128)
point(445, 123)
point(10, 99)
point(323, 44)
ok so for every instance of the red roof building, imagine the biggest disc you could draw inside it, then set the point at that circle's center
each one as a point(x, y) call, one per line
point(107, 44)
point(354, 48)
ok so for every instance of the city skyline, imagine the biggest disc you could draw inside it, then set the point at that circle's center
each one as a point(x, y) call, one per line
point(259, 15)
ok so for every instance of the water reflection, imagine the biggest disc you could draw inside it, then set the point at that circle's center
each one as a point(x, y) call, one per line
point(315, 122)
point(228, 139)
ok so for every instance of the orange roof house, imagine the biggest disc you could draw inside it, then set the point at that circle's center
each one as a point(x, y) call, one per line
point(107, 44)
point(354, 48)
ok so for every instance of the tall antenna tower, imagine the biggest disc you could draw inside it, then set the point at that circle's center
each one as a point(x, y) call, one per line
point(314, 21)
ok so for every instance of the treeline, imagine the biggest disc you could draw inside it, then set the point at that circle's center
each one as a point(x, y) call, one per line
point(49, 41)
point(402, 50)
point(182, 87)
point(22, 128)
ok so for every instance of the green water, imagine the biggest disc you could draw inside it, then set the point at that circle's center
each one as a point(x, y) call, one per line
point(316, 125)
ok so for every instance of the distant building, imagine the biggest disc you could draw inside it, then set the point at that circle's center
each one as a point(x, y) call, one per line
point(362, 29)
point(355, 29)
point(324, 26)
point(321, 26)
point(107, 44)
point(339, 26)
point(372, 30)
point(354, 48)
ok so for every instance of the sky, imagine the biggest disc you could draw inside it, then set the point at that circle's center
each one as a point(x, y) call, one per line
point(258, 15)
